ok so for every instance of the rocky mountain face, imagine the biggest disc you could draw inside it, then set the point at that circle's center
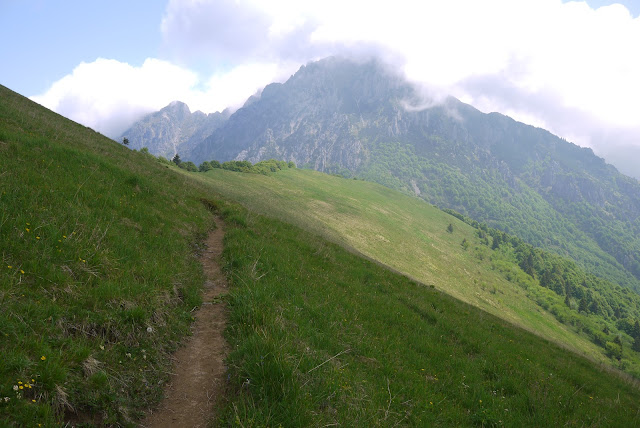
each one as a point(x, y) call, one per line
point(174, 129)
point(360, 120)
point(313, 119)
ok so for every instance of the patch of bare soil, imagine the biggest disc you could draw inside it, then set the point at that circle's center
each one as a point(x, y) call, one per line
point(198, 378)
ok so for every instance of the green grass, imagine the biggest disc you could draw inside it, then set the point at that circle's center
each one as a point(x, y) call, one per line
point(403, 233)
point(322, 337)
point(98, 282)
point(98, 275)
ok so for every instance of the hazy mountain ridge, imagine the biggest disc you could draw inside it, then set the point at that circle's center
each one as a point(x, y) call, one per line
point(173, 129)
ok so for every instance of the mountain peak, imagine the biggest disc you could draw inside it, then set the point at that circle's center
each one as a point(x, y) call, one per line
point(173, 129)
point(177, 108)
point(176, 103)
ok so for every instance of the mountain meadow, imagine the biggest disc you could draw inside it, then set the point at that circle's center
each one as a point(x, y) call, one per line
point(350, 303)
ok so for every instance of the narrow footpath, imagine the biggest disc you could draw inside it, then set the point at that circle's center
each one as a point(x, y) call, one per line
point(198, 378)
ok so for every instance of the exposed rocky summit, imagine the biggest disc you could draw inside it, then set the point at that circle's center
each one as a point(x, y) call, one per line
point(174, 129)
point(313, 119)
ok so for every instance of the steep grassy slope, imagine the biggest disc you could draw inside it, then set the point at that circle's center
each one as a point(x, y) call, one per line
point(98, 281)
point(411, 237)
point(322, 337)
point(97, 274)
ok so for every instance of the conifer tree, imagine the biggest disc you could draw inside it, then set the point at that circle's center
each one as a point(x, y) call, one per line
point(635, 333)
point(496, 242)
point(584, 306)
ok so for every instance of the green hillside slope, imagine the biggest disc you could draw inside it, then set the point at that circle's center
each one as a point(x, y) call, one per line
point(98, 282)
point(97, 278)
point(322, 337)
point(542, 202)
point(411, 237)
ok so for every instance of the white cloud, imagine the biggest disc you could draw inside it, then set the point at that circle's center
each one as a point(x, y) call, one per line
point(221, 31)
point(586, 58)
point(232, 88)
point(108, 95)
point(545, 62)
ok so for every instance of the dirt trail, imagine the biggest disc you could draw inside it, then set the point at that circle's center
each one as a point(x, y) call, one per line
point(198, 379)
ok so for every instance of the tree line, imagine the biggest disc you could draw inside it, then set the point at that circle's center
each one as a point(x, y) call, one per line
point(604, 311)
point(263, 167)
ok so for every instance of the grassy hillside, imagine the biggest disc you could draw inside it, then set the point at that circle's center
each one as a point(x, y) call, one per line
point(98, 282)
point(98, 278)
point(323, 337)
point(600, 236)
point(411, 237)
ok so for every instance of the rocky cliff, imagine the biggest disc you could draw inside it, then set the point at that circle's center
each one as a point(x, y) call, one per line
point(174, 129)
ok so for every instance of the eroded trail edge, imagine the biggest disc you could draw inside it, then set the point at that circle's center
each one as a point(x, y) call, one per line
point(198, 378)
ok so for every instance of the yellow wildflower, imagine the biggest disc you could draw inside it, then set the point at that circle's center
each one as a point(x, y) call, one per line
point(43, 358)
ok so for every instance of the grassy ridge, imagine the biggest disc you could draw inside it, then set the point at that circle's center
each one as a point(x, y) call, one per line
point(97, 274)
point(321, 336)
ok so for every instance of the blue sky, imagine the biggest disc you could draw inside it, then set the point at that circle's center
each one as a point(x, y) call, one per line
point(44, 40)
point(570, 67)
point(632, 5)
point(49, 38)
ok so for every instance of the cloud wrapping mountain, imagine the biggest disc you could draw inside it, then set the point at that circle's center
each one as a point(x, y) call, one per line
point(573, 63)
